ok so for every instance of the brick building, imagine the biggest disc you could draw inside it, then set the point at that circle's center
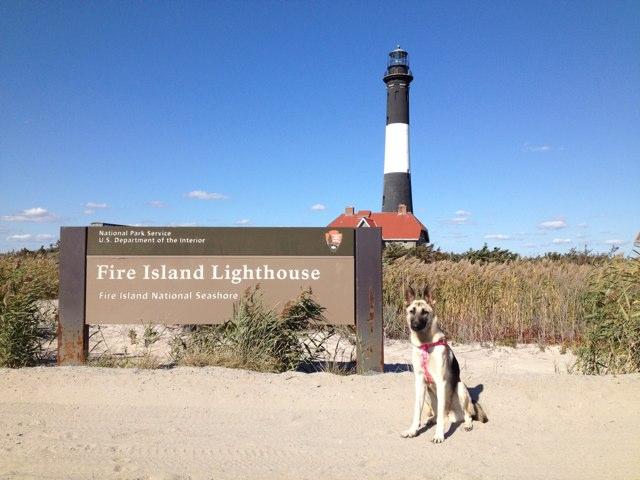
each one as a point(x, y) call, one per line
point(400, 227)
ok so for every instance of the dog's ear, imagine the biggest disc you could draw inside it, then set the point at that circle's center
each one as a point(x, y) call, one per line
point(409, 295)
point(427, 294)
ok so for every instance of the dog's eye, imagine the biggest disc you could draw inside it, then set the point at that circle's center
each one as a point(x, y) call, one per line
point(413, 310)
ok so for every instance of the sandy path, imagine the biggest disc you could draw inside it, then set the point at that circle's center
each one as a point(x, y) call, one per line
point(214, 423)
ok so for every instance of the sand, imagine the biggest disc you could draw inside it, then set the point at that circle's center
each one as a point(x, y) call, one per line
point(217, 423)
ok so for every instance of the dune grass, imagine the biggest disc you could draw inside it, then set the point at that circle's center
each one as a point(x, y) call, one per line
point(512, 302)
point(589, 302)
point(612, 315)
point(25, 325)
point(258, 338)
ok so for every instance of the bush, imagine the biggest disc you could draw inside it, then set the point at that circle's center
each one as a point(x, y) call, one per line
point(484, 255)
point(581, 257)
point(257, 338)
point(24, 327)
point(425, 253)
point(430, 254)
point(612, 306)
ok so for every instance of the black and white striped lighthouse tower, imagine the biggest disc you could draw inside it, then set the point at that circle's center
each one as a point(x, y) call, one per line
point(397, 176)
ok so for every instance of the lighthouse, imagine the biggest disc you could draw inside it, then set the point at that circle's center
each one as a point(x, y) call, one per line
point(399, 225)
point(397, 175)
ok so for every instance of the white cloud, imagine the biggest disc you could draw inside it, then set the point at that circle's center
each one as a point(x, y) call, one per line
point(243, 221)
point(559, 241)
point(318, 207)
point(461, 217)
point(455, 235)
point(582, 225)
point(157, 204)
point(91, 207)
point(542, 148)
point(497, 236)
point(36, 214)
point(553, 224)
point(202, 195)
point(530, 245)
point(186, 224)
point(27, 237)
point(616, 242)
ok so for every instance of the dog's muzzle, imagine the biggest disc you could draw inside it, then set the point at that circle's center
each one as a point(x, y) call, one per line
point(417, 325)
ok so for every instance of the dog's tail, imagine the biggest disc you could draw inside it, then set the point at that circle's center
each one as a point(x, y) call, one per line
point(479, 415)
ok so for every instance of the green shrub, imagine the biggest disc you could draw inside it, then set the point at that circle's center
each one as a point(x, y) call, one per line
point(425, 253)
point(484, 255)
point(429, 254)
point(612, 306)
point(257, 338)
point(581, 257)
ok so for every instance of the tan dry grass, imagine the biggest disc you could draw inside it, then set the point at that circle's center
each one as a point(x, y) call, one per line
point(612, 306)
point(39, 268)
point(514, 302)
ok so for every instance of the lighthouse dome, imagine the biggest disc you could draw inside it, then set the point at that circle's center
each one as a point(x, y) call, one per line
point(398, 57)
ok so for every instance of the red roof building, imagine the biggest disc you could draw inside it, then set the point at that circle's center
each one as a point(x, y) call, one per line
point(397, 227)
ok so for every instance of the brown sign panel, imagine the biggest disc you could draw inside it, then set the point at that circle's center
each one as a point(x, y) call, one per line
point(127, 275)
point(263, 241)
point(195, 275)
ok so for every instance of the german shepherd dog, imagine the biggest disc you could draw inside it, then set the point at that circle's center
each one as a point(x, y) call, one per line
point(436, 370)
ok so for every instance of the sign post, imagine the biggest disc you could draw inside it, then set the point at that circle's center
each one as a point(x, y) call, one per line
point(163, 275)
point(73, 332)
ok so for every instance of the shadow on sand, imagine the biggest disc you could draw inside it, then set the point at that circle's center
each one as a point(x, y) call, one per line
point(474, 392)
point(348, 368)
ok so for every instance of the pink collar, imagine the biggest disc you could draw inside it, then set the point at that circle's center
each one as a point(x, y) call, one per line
point(425, 347)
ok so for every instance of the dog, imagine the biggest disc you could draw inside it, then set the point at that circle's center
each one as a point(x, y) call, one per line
point(436, 370)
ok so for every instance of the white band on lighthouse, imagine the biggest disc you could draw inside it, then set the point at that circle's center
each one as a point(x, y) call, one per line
point(396, 148)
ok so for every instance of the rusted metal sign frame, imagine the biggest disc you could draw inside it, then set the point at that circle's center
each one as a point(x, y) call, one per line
point(73, 338)
point(73, 334)
point(368, 297)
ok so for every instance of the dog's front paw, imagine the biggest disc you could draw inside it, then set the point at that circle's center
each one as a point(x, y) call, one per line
point(468, 427)
point(412, 432)
point(437, 438)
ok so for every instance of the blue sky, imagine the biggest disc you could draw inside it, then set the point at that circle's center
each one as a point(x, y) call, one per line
point(524, 117)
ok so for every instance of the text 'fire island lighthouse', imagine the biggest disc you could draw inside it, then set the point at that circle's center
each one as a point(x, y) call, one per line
point(397, 221)
point(397, 176)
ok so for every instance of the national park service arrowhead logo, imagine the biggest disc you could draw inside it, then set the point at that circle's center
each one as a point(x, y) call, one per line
point(334, 239)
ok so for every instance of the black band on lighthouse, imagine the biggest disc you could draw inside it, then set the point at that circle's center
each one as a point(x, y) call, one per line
point(398, 103)
point(397, 190)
